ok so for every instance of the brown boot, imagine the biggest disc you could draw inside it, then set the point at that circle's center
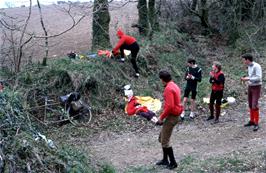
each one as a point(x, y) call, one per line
point(218, 112)
point(211, 112)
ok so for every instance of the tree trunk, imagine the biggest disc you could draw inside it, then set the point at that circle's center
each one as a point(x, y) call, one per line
point(194, 5)
point(204, 14)
point(143, 17)
point(246, 9)
point(101, 20)
point(153, 18)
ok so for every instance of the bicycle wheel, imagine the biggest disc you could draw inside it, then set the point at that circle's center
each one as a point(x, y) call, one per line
point(84, 117)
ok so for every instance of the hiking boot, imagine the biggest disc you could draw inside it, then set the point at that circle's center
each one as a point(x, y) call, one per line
point(210, 118)
point(216, 121)
point(173, 163)
point(192, 115)
point(250, 123)
point(256, 128)
point(182, 115)
point(172, 166)
point(154, 119)
point(163, 163)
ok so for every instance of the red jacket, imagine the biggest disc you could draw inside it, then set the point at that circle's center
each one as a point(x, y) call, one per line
point(124, 39)
point(134, 107)
point(217, 81)
point(172, 100)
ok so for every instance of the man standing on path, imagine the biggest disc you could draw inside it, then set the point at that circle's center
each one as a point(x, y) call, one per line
point(129, 43)
point(192, 76)
point(254, 80)
point(169, 117)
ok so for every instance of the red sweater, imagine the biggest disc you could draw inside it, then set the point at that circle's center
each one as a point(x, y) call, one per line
point(124, 39)
point(134, 107)
point(172, 100)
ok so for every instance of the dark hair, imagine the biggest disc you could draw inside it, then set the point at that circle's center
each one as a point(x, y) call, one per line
point(218, 65)
point(165, 75)
point(247, 56)
point(191, 61)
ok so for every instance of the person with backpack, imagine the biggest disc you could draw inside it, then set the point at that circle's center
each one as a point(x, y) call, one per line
point(127, 42)
point(192, 76)
point(254, 80)
point(169, 118)
point(217, 80)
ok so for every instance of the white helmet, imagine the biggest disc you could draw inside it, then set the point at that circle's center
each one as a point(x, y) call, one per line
point(128, 91)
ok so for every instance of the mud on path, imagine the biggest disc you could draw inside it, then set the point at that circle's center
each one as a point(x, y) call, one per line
point(196, 138)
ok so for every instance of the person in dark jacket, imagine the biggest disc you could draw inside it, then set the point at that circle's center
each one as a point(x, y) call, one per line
point(217, 80)
point(169, 118)
point(192, 76)
point(127, 42)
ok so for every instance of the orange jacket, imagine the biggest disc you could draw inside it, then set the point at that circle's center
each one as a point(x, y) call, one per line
point(124, 39)
point(134, 107)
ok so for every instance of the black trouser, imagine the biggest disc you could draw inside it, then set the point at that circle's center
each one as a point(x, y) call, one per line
point(134, 48)
point(216, 96)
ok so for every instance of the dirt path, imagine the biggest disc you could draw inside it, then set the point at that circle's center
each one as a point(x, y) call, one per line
point(196, 138)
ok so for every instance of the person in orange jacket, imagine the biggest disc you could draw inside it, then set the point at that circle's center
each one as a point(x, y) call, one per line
point(129, 43)
point(134, 107)
point(169, 118)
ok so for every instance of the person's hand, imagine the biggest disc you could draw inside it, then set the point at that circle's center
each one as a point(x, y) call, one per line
point(211, 74)
point(244, 78)
point(115, 53)
point(159, 122)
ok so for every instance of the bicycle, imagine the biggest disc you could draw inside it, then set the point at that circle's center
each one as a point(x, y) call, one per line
point(72, 109)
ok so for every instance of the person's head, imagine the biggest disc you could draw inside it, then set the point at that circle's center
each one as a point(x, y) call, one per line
point(191, 62)
point(165, 76)
point(247, 58)
point(119, 33)
point(216, 66)
point(128, 91)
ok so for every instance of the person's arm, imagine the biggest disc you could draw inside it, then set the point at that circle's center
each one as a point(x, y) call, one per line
point(258, 75)
point(168, 104)
point(187, 72)
point(119, 44)
point(198, 75)
point(220, 79)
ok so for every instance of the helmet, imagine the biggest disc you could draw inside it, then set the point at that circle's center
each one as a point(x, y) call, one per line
point(128, 91)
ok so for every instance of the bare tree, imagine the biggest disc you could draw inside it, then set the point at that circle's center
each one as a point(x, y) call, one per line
point(16, 35)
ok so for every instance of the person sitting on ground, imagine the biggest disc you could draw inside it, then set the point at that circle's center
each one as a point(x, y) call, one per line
point(128, 43)
point(217, 80)
point(134, 107)
point(192, 76)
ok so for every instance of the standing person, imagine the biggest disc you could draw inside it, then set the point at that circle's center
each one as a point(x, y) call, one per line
point(169, 118)
point(129, 43)
point(254, 79)
point(192, 76)
point(217, 80)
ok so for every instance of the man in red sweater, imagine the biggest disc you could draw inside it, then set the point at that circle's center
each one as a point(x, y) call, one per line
point(129, 43)
point(169, 118)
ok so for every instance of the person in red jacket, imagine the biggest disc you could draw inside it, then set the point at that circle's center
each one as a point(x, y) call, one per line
point(129, 43)
point(134, 107)
point(169, 117)
point(217, 80)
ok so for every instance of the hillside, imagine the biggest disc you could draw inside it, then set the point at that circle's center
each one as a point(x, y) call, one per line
point(112, 141)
